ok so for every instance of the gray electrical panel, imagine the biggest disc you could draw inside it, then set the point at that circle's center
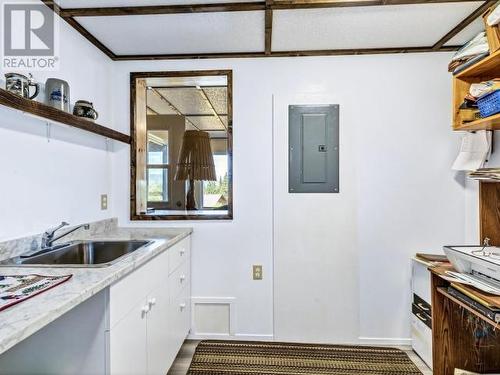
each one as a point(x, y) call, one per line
point(313, 148)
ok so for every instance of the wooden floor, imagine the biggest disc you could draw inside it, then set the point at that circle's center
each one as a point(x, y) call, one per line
point(183, 360)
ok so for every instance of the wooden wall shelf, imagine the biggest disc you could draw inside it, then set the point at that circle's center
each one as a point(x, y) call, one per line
point(488, 68)
point(488, 123)
point(444, 292)
point(32, 107)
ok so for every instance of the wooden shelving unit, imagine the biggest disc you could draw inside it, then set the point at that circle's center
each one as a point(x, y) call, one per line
point(485, 69)
point(51, 114)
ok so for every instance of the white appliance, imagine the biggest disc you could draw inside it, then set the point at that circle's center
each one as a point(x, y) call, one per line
point(478, 266)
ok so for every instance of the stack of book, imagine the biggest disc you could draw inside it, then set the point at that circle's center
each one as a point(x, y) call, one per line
point(487, 306)
point(486, 174)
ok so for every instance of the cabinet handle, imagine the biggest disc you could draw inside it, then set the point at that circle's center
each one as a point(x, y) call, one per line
point(152, 302)
point(182, 306)
point(182, 278)
point(423, 319)
point(182, 251)
point(422, 307)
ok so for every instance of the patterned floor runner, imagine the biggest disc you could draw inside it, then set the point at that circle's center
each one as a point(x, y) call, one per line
point(263, 358)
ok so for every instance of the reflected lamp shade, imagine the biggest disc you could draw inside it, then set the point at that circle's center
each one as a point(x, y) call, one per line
point(196, 162)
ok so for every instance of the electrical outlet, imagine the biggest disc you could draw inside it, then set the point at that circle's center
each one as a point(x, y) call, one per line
point(104, 201)
point(257, 272)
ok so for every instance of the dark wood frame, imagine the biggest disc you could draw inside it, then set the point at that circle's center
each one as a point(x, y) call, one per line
point(268, 6)
point(133, 146)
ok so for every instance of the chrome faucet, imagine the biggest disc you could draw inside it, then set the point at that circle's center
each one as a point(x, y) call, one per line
point(48, 237)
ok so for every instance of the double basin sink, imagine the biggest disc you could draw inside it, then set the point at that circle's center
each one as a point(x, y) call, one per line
point(78, 254)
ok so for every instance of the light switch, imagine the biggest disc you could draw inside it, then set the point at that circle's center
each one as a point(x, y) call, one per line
point(257, 272)
point(104, 202)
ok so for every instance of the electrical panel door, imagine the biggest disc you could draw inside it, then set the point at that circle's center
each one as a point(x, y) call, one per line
point(313, 148)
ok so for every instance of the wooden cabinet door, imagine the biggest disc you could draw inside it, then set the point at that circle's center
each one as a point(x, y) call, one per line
point(160, 356)
point(128, 343)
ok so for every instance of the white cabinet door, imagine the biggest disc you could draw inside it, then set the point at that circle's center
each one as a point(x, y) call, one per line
point(159, 352)
point(128, 348)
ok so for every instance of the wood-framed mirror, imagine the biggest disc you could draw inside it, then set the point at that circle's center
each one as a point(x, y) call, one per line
point(181, 153)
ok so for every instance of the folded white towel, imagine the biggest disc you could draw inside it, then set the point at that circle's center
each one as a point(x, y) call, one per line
point(474, 47)
point(494, 17)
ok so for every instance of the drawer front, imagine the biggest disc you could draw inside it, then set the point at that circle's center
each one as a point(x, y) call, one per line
point(130, 290)
point(421, 281)
point(421, 337)
point(423, 305)
point(178, 253)
point(181, 313)
point(179, 280)
point(421, 315)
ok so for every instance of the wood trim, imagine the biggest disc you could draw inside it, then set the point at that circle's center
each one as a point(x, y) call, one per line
point(133, 208)
point(334, 52)
point(49, 113)
point(489, 212)
point(463, 24)
point(235, 7)
point(268, 31)
point(78, 27)
point(268, 6)
point(312, 4)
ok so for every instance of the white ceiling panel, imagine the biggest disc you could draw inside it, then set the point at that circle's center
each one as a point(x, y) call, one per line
point(207, 122)
point(367, 27)
point(187, 100)
point(157, 104)
point(179, 33)
point(218, 98)
point(126, 3)
point(467, 34)
point(187, 81)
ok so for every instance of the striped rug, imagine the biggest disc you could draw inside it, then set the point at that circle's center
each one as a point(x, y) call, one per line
point(214, 357)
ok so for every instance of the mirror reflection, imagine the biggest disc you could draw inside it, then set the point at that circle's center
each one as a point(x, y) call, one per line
point(182, 146)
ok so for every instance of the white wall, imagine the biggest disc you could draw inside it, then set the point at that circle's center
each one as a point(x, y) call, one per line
point(342, 261)
point(44, 182)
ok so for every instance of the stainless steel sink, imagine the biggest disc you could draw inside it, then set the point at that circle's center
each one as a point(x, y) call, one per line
point(80, 254)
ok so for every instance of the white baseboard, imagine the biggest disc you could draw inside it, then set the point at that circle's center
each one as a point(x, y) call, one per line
point(390, 341)
point(236, 337)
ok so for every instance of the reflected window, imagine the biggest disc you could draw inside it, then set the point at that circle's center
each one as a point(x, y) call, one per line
point(157, 166)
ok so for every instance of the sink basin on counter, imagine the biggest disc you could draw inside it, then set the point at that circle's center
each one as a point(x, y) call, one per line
point(79, 254)
point(130, 317)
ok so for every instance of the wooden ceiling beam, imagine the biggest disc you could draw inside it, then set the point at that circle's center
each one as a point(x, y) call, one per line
point(235, 7)
point(463, 24)
point(163, 9)
point(82, 30)
point(333, 52)
point(268, 28)
point(311, 4)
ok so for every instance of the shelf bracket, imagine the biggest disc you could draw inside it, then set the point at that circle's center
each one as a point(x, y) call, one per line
point(48, 131)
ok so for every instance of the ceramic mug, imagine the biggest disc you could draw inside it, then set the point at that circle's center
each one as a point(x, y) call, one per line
point(57, 94)
point(20, 85)
point(84, 108)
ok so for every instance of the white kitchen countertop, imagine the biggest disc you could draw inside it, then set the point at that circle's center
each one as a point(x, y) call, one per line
point(22, 320)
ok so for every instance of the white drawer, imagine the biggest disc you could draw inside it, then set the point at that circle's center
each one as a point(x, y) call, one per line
point(178, 280)
point(181, 314)
point(177, 254)
point(134, 288)
point(421, 336)
point(421, 281)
